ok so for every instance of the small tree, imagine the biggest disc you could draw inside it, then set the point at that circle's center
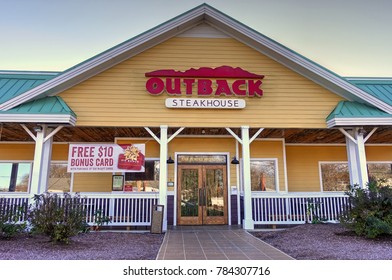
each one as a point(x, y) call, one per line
point(59, 217)
point(370, 211)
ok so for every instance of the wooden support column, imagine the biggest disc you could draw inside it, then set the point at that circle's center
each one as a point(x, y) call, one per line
point(248, 222)
point(245, 141)
point(356, 155)
point(42, 157)
point(38, 161)
point(163, 174)
point(45, 165)
point(163, 141)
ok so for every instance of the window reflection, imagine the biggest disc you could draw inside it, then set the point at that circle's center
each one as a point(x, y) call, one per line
point(262, 174)
point(147, 181)
point(14, 176)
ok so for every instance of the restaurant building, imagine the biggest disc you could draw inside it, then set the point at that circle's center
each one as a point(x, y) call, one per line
point(203, 115)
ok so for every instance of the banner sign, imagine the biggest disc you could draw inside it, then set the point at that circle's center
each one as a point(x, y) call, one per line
point(205, 103)
point(106, 158)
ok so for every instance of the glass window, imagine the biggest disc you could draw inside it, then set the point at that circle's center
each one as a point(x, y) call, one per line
point(59, 178)
point(380, 172)
point(263, 175)
point(14, 176)
point(335, 176)
point(147, 181)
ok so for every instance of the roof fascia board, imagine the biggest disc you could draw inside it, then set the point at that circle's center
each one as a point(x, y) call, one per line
point(39, 118)
point(292, 60)
point(358, 121)
point(369, 80)
point(109, 58)
point(28, 74)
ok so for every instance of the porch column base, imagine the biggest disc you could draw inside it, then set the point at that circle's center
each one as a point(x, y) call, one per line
point(248, 224)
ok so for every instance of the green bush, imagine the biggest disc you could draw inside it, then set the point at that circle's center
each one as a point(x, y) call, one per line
point(59, 217)
point(100, 219)
point(370, 211)
point(10, 224)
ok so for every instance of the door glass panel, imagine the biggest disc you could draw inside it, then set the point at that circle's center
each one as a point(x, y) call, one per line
point(189, 192)
point(214, 188)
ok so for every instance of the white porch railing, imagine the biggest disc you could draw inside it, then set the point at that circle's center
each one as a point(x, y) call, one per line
point(123, 209)
point(15, 205)
point(135, 209)
point(297, 208)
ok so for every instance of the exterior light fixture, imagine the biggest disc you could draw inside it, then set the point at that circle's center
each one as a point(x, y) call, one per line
point(170, 161)
point(362, 131)
point(235, 161)
point(37, 128)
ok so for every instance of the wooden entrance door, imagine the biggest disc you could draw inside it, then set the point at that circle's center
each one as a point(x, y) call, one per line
point(202, 195)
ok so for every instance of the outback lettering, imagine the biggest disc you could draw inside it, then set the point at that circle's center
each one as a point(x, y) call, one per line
point(204, 87)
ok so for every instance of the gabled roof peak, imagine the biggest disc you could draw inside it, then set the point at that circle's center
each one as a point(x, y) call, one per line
point(207, 14)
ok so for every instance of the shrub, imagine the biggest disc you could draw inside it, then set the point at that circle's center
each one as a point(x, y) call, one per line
point(59, 217)
point(370, 212)
point(10, 224)
point(100, 219)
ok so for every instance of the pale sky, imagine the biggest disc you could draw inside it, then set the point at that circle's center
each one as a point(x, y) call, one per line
point(349, 37)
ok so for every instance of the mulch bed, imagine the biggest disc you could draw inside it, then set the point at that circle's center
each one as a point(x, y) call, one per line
point(88, 246)
point(303, 242)
point(327, 242)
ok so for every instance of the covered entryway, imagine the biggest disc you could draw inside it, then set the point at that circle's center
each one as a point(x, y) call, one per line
point(202, 191)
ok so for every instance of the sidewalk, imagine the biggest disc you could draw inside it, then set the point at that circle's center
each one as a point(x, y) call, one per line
point(215, 243)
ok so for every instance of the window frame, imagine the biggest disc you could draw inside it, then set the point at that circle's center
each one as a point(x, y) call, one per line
point(321, 177)
point(72, 173)
point(376, 162)
point(138, 192)
point(30, 173)
point(346, 162)
point(275, 160)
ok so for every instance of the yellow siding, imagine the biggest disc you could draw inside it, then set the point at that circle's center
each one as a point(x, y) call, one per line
point(60, 152)
point(92, 182)
point(302, 161)
point(16, 151)
point(117, 97)
point(379, 153)
point(26, 151)
point(303, 165)
point(270, 149)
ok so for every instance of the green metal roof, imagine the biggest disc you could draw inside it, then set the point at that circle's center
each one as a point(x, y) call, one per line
point(15, 83)
point(352, 109)
point(380, 88)
point(351, 113)
point(47, 105)
point(51, 109)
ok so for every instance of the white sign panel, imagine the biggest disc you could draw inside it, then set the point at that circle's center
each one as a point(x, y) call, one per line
point(106, 158)
point(205, 103)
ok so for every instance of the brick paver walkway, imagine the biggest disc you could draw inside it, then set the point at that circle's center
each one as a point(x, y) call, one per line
point(215, 243)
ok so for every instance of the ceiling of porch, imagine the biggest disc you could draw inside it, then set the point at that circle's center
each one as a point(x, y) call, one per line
point(14, 132)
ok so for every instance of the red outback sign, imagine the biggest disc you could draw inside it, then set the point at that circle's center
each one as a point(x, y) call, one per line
point(171, 81)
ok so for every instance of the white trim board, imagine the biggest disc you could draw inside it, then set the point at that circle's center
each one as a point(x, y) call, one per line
point(359, 121)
